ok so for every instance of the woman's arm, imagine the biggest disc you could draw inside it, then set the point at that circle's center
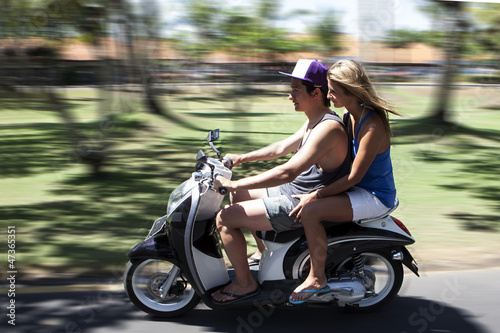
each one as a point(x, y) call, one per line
point(371, 139)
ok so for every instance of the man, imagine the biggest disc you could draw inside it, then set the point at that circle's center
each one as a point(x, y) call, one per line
point(263, 202)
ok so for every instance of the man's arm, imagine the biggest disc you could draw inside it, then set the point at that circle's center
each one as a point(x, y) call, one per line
point(274, 150)
point(321, 140)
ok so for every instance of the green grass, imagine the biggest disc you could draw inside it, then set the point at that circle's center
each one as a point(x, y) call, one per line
point(69, 221)
point(447, 176)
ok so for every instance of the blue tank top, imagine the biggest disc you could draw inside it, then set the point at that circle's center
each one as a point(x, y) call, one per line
point(314, 178)
point(379, 179)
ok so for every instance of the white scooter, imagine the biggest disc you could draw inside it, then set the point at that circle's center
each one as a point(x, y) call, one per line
point(181, 262)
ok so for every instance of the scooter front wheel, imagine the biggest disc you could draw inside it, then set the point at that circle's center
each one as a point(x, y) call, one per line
point(158, 288)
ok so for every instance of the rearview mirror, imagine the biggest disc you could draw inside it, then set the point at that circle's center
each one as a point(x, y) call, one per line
point(213, 135)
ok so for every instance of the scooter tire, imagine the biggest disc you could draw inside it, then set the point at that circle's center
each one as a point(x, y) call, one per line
point(142, 285)
point(388, 293)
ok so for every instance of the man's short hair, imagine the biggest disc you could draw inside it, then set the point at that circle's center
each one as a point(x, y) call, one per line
point(310, 88)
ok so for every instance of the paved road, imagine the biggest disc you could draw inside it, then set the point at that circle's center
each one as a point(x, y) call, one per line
point(445, 302)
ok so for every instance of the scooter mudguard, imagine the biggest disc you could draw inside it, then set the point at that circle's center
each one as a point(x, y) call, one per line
point(157, 247)
point(409, 262)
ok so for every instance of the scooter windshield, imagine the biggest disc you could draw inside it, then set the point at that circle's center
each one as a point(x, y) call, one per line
point(177, 195)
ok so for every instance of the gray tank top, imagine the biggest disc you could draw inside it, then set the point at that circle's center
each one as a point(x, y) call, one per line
point(314, 178)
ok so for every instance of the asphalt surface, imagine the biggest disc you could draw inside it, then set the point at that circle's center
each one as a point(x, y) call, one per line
point(463, 301)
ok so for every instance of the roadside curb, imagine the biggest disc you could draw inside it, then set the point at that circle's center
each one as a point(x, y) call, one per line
point(67, 288)
point(44, 284)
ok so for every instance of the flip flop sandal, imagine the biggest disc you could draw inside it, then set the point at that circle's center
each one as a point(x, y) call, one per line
point(237, 297)
point(313, 292)
point(253, 261)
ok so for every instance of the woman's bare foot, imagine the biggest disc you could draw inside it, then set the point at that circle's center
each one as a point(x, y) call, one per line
point(309, 284)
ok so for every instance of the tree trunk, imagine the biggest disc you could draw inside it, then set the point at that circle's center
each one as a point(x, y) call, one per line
point(440, 113)
point(91, 153)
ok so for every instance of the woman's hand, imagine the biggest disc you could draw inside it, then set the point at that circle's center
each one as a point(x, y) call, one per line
point(304, 199)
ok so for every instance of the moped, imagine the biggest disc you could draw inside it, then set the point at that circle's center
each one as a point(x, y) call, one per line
point(181, 262)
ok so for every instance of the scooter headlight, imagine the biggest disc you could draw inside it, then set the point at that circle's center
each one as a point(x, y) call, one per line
point(177, 195)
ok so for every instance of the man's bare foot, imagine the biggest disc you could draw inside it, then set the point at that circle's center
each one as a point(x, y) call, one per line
point(234, 292)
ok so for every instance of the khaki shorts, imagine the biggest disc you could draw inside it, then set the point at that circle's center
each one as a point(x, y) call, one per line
point(278, 206)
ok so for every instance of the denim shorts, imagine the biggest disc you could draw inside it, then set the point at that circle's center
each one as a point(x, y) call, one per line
point(278, 206)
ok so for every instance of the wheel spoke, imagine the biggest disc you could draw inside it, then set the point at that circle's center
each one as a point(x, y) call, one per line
point(157, 286)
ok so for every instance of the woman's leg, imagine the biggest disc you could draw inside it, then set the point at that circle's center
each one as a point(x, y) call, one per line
point(332, 209)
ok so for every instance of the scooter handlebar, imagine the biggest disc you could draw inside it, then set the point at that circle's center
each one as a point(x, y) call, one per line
point(228, 163)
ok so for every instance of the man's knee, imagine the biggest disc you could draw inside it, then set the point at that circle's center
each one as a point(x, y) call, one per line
point(222, 218)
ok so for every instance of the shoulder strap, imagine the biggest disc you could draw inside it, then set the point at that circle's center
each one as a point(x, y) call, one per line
point(362, 121)
point(347, 125)
point(333, 116)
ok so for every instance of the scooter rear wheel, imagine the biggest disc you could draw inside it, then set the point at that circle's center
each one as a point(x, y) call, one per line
point(386, 275)
point(158, 288)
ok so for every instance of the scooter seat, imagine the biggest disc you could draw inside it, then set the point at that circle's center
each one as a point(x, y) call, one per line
point(287, 236)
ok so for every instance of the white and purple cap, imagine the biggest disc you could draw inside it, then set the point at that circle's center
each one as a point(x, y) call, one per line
point(310, 70)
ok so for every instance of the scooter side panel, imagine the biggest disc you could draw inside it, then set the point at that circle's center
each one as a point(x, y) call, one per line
point(212, 271)
point(196, 248)
point(271, 263)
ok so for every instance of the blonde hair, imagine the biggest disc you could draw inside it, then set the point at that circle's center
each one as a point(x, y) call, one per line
point(352, 77)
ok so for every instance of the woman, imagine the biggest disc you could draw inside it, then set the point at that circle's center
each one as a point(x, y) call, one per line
point(368, 190)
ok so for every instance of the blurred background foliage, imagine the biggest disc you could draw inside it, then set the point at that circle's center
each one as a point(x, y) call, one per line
point(104, 104)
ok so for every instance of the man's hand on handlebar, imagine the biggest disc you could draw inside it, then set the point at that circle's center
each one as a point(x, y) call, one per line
point(221, 182)
point(235, 158)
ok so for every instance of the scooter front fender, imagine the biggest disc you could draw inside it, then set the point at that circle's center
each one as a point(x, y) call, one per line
point(157, 247)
